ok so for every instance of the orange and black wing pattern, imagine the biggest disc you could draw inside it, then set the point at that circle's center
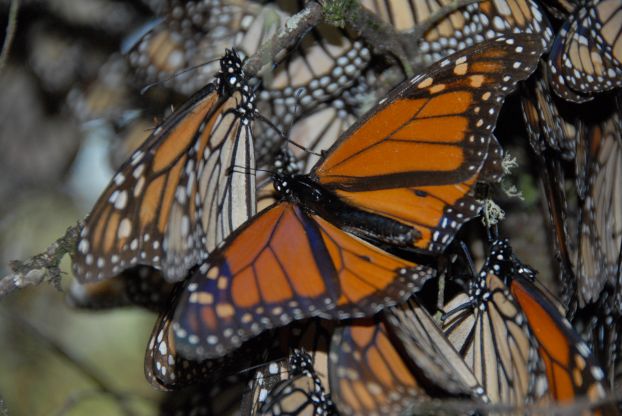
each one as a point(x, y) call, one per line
point(167, 369)
point(178, 195)
point(489, 331)
point(293, 387)
point(368, 376)
point(417, 156)
point(547, 127)
point(570, 368)
point(285, 265)
point(571, 372)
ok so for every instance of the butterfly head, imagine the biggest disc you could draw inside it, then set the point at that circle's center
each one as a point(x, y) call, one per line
point(300, 363)
point(479, 292)
point(231, 74)
point(286, 171)
point(232, 79)
point(504, 263)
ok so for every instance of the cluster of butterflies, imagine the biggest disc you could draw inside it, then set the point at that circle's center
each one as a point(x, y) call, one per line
point(305, 273)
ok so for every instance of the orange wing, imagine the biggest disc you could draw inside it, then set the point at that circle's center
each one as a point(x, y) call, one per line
point(570, 367)
point(286, 265)
point(418, 155)
point(367, 373)
point(176, 198)
point(167, 369)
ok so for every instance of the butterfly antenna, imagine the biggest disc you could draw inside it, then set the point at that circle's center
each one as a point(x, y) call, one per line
point(283, 135)
point(262, 364)
point(247, 170)
point(492, 232)
point(298, 93)
point(468, 257)
point(175, 75)
point(458, 309)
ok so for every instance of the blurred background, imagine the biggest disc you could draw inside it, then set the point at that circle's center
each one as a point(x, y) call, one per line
point(69, 112)
point(64, 107)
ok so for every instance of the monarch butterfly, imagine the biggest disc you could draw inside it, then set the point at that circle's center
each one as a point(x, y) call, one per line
point(600, 217)
point(167, 369)
point(189, 34)
point(569, 366)
point(179, 194)
point(325, 62)
point(303, 256)
point(465, 27)
point(586, 57)
point(546, 127)
point(313, 133)
point(490, 331)
point(291, 387)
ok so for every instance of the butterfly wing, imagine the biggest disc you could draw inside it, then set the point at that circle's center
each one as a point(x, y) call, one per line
point(187, 35)
point(180, 193)
point(167, 369)
point(286, 265)
point(546, 126)
point(293, 387)
point(367, 373)
point(601, 209)
point(425, 145)
point(450, 30)
point(490, 332)
point(586, 54)
point(570, 367)
point(430, 350)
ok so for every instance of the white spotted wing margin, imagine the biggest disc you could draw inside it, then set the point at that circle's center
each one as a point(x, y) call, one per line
point(182, 191)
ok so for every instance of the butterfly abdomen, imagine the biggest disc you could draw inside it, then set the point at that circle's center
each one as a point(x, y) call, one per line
point(314, 198)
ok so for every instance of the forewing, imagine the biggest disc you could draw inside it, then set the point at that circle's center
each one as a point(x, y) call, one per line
point(285, 265)
point(425, 144)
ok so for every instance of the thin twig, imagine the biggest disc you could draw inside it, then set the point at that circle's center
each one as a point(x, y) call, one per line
point(437, 16)
point(288, 35)
point(9, 33)
point(382, 36)
point(41, 267)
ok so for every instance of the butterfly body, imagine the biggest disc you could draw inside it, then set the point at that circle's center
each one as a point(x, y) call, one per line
point(315, 199)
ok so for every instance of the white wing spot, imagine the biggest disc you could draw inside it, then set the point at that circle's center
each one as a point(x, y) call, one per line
point(125, 228)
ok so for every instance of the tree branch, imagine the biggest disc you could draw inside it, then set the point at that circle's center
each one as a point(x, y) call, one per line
point(377, 33)
point(41, 267)
point(9, 33)
point(288, 35)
